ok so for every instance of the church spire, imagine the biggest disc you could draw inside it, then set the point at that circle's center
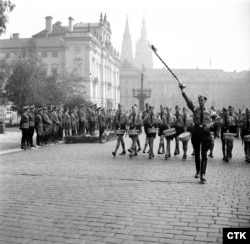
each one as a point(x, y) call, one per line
point(143, 29)
point(127, 51)
point(143, 54)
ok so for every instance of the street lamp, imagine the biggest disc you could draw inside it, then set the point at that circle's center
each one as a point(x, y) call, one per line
point(141, 94)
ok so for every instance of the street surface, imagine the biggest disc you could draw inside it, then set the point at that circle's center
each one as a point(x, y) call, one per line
point(80, 193)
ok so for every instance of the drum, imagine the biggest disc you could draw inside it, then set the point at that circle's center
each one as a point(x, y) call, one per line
point(120, 132)
point(169, 132)
point(152, 130)
point(247, 138)
point(218, 121)
point(133, 132)
point(229, 136)
point(185, 136)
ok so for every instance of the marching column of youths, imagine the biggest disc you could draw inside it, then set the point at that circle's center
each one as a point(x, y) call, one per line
point(197, 124)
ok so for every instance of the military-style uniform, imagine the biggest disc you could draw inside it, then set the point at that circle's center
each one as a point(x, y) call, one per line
point(47, 126)
point(39, 127)
point(187, 126)
point(201, 137)
point(101, 124)
point(135, 123)
point(67, 122)
point(92, 119)
point(73, 123)
point(245, 121)
point(161, 129)
point(167, 122)
point(31, 115)
point(60, 126)
point(120, 122)
point(226, 144)
point(24, 127)
point(151, 121)
point(77, 121)
point(82, 119)
point(145, 114)
point(55, 126)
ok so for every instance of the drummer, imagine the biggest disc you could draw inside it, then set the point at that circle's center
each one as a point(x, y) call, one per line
point(151, 123)
point(161, 129)
point(226, 144)
point(214, 130)
point(187, 125)
point(245, 133)
point(178, 127)
point(145, 114)
point(135, 123)
point(201, 137)
point(120, 122)
point(232, 128)
point(168, 121)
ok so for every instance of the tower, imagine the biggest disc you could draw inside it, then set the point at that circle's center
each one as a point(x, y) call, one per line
point(143, 54)
point(127, 50)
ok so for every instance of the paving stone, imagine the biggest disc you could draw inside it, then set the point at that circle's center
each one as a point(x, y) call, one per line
point(80, 193)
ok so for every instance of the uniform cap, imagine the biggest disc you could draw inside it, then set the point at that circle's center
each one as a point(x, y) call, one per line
point(32, 106)
point(200, 96)
point(93, 105)
point(39, 109)
point(25, 107)
point(45, 107)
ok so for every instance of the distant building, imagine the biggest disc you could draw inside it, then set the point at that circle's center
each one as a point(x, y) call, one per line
point(85, 48)
point(143, 54)
point(221, 88)
point(127, 49)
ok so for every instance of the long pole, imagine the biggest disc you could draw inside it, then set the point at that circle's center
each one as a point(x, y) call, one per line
point(155, 52)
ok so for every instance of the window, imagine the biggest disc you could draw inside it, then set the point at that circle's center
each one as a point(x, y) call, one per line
point(54, 54)
point(44, 54)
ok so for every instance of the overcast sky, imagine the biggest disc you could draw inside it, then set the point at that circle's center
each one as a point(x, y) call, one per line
point(187, 33)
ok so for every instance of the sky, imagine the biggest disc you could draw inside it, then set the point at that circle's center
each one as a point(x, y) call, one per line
point(188, 34)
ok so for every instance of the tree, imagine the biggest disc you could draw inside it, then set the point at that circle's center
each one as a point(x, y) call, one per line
point(5, 72)
point(5, 7)
point(24, 85)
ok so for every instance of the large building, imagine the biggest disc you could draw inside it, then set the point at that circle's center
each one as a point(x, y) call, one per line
point(83, 48)
point(221, 88)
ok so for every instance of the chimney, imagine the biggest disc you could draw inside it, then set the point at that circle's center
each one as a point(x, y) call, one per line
point(15, 35)
point(49, 24)
point(71, 24)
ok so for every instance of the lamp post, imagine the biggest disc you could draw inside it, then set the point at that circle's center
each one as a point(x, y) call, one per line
point(141, 94)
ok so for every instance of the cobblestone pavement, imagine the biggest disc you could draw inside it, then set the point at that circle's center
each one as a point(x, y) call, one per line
point(80, 193)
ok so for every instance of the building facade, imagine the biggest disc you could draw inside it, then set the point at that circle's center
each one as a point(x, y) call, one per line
point(83, 48)
point(221, 88)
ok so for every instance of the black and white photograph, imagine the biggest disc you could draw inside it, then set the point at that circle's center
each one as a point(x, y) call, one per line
point(124, 121)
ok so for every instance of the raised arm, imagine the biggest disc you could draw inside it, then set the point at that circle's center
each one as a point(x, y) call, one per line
point(188, 101)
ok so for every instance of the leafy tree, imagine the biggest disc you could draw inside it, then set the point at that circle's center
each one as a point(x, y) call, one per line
point(5, 7)
point(5, 72)
point(76, 101)
point(24, 85)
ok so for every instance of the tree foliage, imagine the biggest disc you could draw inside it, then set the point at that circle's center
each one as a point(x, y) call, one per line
point(25, 81)
point(25, 84)
point(5, 7)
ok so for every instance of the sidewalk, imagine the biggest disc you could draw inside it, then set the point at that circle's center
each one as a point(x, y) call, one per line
point(10, 141)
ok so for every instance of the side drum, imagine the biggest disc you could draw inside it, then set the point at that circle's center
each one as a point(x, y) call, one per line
point(229, 136)
point(247, 138)
point(185, 136)
point(169, 132)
